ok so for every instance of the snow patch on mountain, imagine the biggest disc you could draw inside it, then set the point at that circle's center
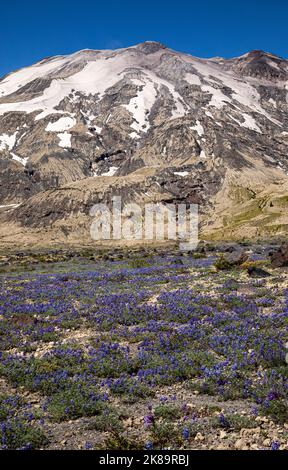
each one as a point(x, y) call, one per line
point(183, 174)
point(249, 123)
point(198, 128)
point(21, 160)
point(218, 99)
point(192, 79)
point(12, 206)
point(65, 140)
point(95, 78)
point(19, 79)
point(140, 106)
point(63, 124)
point(134, 135)
point(242, 91)
point(8, 141)
point(273, 102)
point(111, 172)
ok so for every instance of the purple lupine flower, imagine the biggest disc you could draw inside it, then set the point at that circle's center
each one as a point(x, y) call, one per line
point(149, 420)
point(273, 396)
point(275, 445)
point(186, 433)
point(149, 445)
point(255, 411)
point(224, 421)
point(88, 446)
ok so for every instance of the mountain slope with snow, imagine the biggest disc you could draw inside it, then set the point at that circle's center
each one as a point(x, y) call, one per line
point(103, 114)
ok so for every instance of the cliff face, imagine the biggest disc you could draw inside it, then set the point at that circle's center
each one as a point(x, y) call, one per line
point(153, 124)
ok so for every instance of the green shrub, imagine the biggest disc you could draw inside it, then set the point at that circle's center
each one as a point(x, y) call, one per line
point(164, 433)
point(235, 422)
point(198, 255)
point(108, 421)
point(222, 264)
point(139, 263)
point(17, 434)
point(74, 403)
point(168, 412)
point(277, 410)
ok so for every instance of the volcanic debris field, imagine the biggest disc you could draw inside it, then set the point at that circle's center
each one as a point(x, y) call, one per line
point(142, 350)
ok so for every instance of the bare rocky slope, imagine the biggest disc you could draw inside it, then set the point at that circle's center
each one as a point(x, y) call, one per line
point(149, 124)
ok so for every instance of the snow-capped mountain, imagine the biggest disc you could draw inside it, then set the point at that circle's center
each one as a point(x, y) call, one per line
point(176, 127)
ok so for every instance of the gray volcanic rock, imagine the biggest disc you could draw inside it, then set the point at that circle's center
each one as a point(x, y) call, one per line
point(215, 131)
point(279, 258)
point(253, 271)
point(236, 257)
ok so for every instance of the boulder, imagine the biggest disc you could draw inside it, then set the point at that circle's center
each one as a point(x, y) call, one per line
point(279, 258)
point(227, 247)
point(236, 257)
point(253, 271)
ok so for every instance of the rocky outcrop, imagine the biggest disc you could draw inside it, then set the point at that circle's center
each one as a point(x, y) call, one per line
point(236, 257)
point(279, 258)
point(254, 271)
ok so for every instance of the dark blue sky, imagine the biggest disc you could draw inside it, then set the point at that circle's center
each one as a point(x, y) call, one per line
point(31, 30)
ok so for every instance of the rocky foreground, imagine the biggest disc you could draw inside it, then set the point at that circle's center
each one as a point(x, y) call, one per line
point(146, 349)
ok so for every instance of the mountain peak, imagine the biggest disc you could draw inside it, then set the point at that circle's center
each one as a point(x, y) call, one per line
point(262, 65)
point(257, 53)
point(150, 47)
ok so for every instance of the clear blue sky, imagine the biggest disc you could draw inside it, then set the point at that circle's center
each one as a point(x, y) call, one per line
point(31, 30)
